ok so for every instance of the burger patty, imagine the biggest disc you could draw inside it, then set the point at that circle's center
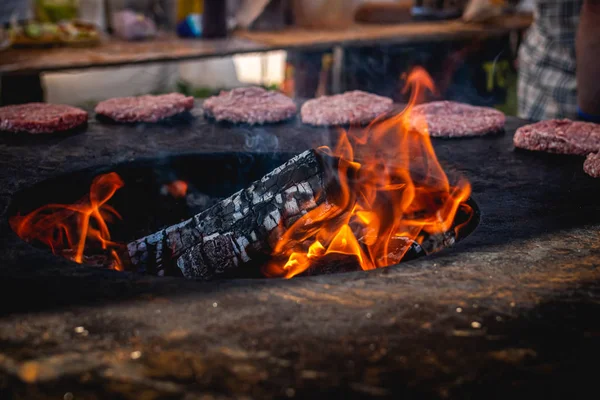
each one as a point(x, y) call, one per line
point(591, 166)
point(250, 105)
point(561, 136)
point(147, 108)
point(355, 107)
point(452, 119)
point(38, 118)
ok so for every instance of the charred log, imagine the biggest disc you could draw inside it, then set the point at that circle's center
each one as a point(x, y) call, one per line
point(235, 230)
point(240, 232)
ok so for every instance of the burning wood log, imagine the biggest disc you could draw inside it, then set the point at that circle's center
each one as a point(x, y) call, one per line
point(230, 233)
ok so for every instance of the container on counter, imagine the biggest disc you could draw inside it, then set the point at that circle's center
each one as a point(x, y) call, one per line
point(214, 19)
point(189, 7)
point(189, 18)
point(131, 19)
point(130, 25)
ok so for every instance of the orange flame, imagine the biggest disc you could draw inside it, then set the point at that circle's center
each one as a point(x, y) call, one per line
point(68, 229)
point(398, 195)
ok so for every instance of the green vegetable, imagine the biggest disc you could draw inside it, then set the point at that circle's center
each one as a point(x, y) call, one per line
point(56, 10)
point(33, 30)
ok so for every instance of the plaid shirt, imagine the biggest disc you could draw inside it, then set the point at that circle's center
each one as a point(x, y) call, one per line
point(547, 86)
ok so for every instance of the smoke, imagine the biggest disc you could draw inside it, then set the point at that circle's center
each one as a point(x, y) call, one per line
point(259, 140)
point(469, 84)
point(477, 72)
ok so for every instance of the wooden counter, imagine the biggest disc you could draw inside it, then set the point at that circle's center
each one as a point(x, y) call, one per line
point(365, 34)
point(115, 52)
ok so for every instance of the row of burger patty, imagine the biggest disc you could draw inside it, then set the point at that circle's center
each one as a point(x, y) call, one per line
point(251, 105)
point(254, 105)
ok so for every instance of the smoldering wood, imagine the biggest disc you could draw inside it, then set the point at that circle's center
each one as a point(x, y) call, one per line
point(249, 222)
point(434, 243)
point(401, 249)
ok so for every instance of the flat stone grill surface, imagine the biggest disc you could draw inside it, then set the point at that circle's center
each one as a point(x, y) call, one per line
point(511, 311)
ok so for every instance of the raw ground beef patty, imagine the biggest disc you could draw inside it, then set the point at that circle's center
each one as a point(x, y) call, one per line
point(355, 107)
point(251, 105)
point(452, 119)
point(591, 166)
point(147, 108)
point(37, 118)
point(561, 136)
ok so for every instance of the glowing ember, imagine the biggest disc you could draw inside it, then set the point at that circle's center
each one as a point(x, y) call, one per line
point(176, 189)
point(72, 230)
point(392, 194)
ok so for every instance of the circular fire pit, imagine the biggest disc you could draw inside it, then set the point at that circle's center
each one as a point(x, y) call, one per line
point(510, 311)
point(159, 192)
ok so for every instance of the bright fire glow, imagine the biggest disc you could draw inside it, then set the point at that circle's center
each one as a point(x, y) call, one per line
point(69, 229)
point(398, 194)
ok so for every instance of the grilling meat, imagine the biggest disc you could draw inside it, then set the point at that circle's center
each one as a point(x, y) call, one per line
point(250, 105)
point(36, 118)
point(350, 108)
point(147, 108)
point(591, 166)
point(561, 136)
point(451, 119)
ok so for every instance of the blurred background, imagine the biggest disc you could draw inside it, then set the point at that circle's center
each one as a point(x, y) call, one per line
point(307, 47)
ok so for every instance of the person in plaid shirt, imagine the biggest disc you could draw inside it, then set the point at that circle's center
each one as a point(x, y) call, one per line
point(559, 62)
